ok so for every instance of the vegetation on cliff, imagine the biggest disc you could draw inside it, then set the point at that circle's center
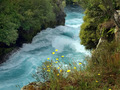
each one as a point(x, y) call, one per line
point(101, 72)
point(97, 12)
point(25, 15)
point(21, 20)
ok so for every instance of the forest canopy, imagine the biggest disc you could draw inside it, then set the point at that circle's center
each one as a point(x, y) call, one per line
point(24, 14)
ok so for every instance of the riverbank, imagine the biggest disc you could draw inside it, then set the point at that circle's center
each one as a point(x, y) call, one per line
point(102, 72)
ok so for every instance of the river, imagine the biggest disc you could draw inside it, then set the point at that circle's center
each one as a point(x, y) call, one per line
point(17, 71)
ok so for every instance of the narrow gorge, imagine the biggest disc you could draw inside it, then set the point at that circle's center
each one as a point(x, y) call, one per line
point(17, 71)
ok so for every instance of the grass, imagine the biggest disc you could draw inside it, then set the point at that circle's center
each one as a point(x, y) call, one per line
point(102, 72)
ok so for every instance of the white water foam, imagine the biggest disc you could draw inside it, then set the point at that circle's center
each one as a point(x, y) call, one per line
point(22, 64)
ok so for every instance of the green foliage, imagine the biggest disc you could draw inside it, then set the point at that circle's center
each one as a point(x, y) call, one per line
point(111, 31)
point(63, 4)
point(26, 15)
point(34, 13)
point(96, 12)
point(8, 36)
point(88, 34)
point(101, 72)
point(88, 38)
point(108, 34)
point(8, 23)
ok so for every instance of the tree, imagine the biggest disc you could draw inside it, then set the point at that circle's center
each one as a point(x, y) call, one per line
point(96, 13)
point(23, 14)
point(8, 22)
point(109, 7)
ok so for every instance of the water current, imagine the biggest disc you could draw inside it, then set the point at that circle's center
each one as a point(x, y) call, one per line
point(18, 69)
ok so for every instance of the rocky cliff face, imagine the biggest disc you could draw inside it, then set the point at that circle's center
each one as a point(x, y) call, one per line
point(26, 36)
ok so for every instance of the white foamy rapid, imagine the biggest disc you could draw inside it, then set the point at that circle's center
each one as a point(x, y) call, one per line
point(18, 70)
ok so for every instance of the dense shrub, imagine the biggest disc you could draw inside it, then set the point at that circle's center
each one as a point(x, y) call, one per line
point(96, 13)
point(25, 15)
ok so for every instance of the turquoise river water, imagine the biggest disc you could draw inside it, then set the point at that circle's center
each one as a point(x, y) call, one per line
point(17, 71)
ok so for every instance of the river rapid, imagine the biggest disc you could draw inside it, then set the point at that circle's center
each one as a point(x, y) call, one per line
point(17, 71)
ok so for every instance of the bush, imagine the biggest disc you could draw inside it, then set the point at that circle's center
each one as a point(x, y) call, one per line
point(25, 15)
point(100, 72)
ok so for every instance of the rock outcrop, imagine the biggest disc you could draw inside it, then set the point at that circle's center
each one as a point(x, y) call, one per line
point(32, 86)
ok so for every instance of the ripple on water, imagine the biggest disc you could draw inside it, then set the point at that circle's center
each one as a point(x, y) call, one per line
point(23, 63)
